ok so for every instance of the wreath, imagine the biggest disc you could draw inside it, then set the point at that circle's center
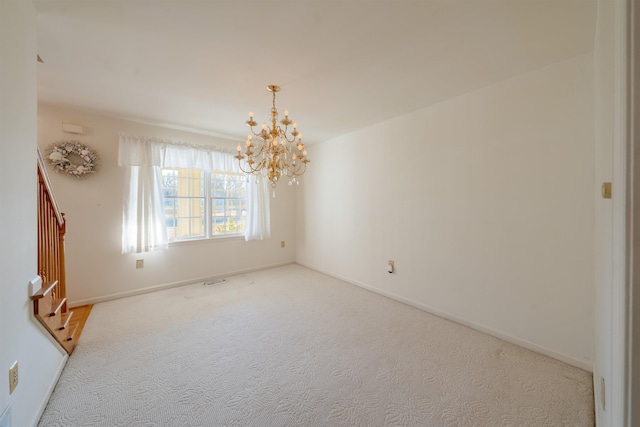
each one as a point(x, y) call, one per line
point(73, 158)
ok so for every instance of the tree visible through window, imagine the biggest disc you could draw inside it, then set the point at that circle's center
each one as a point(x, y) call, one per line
point(192, 195)
point(228, 203)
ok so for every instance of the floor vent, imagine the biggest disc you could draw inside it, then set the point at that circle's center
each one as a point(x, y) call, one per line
point(210, 283)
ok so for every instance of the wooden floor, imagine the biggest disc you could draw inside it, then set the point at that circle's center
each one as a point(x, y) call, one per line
point(81, 314)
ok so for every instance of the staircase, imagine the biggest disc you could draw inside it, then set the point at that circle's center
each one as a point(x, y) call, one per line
point(50, 302)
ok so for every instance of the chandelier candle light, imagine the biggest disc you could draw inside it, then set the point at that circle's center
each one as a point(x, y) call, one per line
point(280, 154)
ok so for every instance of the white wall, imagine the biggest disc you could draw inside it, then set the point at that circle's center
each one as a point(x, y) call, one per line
point(96, 269)
point(21, 337)
point(484, 201)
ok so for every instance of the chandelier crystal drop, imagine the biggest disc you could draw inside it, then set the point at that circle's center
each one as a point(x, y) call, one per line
point(280, 155)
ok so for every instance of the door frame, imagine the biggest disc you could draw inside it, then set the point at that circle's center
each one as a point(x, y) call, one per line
point(632, 385)
point(626, 207)
point(617, 325)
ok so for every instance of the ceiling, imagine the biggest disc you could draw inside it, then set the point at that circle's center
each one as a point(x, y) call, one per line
point(342, 65)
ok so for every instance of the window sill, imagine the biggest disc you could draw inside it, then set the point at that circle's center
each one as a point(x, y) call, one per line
point(205, 240)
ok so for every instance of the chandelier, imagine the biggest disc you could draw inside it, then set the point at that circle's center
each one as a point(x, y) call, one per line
point(280, 155)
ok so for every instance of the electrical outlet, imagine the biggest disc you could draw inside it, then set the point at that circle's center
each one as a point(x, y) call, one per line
point(139, 263)
point(13, 377)
point(282, 244)
point(391, 266)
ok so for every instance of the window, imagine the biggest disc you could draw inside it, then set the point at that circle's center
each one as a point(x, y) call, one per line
point(179, 191)
point(192, 195)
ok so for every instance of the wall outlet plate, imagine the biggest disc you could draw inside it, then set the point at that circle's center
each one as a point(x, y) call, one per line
point(139, 263)
point(13, 377)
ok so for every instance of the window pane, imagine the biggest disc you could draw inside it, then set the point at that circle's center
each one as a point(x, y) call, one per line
point(184, 201)
point(217, 226)
point(228, 203)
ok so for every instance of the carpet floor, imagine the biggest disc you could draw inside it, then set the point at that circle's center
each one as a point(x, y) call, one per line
point(292, 347)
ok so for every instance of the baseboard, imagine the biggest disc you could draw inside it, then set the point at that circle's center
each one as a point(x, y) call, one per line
point(110, 297)
point(5, 417)
point(50, 389)
point(578, 363)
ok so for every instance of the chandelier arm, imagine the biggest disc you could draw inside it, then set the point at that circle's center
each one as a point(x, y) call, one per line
point(242, 169)
point(260, 151)
point(260, 134)
point(290, 141)
point(290, 173)
point(283, 134)
point(293, 171)
point(251, 170)
point(261, 164)
point(258, 154)
point(304, 169)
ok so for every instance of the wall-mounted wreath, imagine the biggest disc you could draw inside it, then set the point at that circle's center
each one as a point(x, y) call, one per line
point(73, 158)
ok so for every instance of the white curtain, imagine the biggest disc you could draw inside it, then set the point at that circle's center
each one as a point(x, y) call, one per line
point(181, 155)
point(258, 226)
point(143, 221)
point(143, 227)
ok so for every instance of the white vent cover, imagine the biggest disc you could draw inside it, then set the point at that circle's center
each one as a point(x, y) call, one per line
point(69, 128)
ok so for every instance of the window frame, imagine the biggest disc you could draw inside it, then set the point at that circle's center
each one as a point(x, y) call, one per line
point(207, 176)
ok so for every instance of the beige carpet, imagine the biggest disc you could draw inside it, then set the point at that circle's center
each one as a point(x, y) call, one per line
point(292, 347)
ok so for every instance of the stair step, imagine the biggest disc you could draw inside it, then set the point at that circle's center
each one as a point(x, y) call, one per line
point(65, 329)
point(48, 287)
point(72, 334)
point(66, 319)
point(57, 306)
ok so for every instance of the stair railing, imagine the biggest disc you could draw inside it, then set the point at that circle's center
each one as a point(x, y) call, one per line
point(51, 231)
point(50, 303)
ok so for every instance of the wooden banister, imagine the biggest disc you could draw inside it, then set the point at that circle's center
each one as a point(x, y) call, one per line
point(51, 232)
point(43, 292)
point(44, 179)
point(50, 302)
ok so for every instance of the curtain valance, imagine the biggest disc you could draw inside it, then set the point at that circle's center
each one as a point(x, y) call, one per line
point(150, 151)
